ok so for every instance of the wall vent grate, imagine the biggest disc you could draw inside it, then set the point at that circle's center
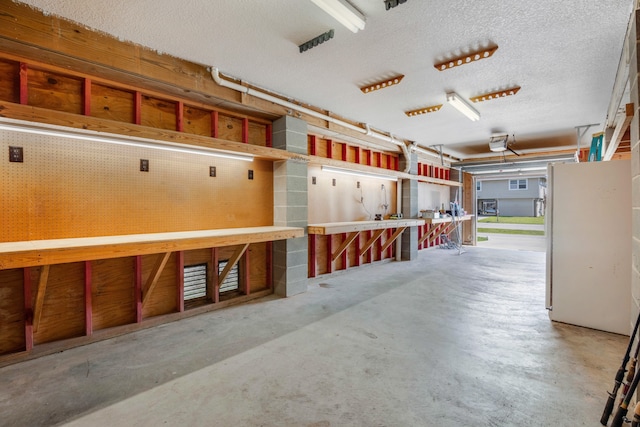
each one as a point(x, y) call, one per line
point(195, 282)
point(232, 282)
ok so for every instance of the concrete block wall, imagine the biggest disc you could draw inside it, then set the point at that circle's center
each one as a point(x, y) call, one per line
point(409, 245)
point(290, 204)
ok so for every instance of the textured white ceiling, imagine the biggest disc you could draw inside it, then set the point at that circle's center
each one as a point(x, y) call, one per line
point(564, 55)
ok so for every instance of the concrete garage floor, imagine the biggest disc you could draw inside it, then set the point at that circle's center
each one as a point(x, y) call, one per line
point(447, 340)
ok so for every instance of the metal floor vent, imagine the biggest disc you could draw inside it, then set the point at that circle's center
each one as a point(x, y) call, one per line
point(195, 281)
point(232, 282)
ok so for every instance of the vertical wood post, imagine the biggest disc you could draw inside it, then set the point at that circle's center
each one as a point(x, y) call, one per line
point(138, 288)
point(247, 272)
point(214, 124)
point(269, 265)
point(180, 116)
point(87, 97)
point(344, 257)
point(329, 149)
point(329, 253)
point(269, 135)
point(28, 308)
point(215, 275)
point(137, 108)
point(313, 261)
point(88, 311)
point(344, 152)
point(180, 279)
point(356, 242)
point(24, 83)
point(245, 130)
point(312, 145)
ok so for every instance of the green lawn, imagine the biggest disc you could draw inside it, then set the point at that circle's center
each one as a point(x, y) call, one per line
point(502, 231)
point(514, 219)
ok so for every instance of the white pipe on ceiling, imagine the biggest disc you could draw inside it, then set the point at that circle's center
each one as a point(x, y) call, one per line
point(215, 74)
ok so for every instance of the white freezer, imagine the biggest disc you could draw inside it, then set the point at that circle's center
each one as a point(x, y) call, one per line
point(588, 228)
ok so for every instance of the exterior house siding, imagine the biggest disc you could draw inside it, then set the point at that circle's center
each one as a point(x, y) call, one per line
point(520, 202)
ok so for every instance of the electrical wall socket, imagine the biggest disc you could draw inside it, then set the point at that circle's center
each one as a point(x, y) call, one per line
point(358, 184)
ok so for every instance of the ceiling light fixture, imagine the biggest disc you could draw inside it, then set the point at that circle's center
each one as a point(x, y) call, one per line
point(343, 12)
point(425, 110)
point(358, 173)
point(464, 107)
point(316, 41)
point(495, 95)
point(465, 59)
point(382, 84)
point(388, 4)
point(118, 140)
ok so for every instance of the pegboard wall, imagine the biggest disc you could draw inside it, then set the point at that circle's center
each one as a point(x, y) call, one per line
point(73, 188)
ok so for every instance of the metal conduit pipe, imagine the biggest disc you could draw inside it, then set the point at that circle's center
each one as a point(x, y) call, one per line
point(215, 74)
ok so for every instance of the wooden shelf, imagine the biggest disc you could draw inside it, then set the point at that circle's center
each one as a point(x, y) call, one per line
point(446, 219)
point(59, 251)
point(354, 226)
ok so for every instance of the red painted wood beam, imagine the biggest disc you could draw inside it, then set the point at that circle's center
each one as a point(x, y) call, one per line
point(28, 308)
point(245, 130)
point(329, 252)
point(390, 248)
point(397, 163)
point(138, 288)
point(313, 257)
point(214, 124)
point(137, 108)
point(24, 83)
point(216, 272)
point(247, 272)
point(369, 251)
point(356, 243)
point(312, 145)
point(88, 310)
point(344, 256)
point(378, 159)
point(87, 97)
point(269, 136)
point(345, 148)
point(329, 149)
point(269, 265)
point(358, 151)
point(180, 116)
point(180, 280)
point(379, 249)
point(419, 168)
point(389, 164)
point(367, 157)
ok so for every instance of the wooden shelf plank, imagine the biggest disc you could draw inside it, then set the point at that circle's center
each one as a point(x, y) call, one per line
point(446, 219)
point(354, 226)
point(59, 251)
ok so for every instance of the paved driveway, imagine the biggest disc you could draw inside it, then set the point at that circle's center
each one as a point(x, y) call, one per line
point(518, 242)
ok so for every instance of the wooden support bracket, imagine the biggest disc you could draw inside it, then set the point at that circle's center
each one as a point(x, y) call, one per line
point(152, 281)
point(371, 241)
point(345, 244)
point(42, 288)
point(432, 233)
point(232, 262)
point(393, 238)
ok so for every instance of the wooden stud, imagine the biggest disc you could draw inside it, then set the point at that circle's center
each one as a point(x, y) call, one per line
point(40, 293)
point(379, 248)
point(371, 241)
point(357, 156)
point(269, 266)
point(137, 108)
point(390, 239)
point(233, 260)
point(345, 148)
point(87, 97)
point(247, 273)
point(345, 263)
point(180, 279)
point(215, 276)
point(356, 244)
point(138, 288)
point(419, 168)
point(367, 250)
point(346, 241)
point(245, 130)
point(269, 135)
point(28, 309)
point(378, 159)
point(24, 83)
point(152, 281)
point(180, 116)
point(313, 257)
point(368, 156)
point(329, 149)
point(88, 310)
point(214, 124)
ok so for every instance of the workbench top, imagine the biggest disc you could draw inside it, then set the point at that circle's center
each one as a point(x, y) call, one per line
point(351, 226)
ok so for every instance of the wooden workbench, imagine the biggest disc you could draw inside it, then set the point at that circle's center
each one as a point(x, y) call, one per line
point(58, 251)
point(436, 227)
point(350, 232)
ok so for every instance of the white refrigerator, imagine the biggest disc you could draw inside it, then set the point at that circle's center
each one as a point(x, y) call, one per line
point(588, 229)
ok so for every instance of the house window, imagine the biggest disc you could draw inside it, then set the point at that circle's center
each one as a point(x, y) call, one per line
point(517, 184)
point(478, 185)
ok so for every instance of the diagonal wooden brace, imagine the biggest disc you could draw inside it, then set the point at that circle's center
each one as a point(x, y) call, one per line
point(344, 245)
point(232, 261)
point(152, 281)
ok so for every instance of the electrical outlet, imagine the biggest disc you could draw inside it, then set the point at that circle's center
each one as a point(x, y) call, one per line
point(250, 174)
point(16, 154)
point(382, 186)
point(212, 171)
point(144, 165)
point(313, 180)
point(333, 182)
point(358, 184)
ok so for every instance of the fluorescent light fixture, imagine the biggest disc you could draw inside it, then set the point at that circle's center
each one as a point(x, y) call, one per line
point(358, 173)
point(343, 12)
point(121, 140)
point(463, 106)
